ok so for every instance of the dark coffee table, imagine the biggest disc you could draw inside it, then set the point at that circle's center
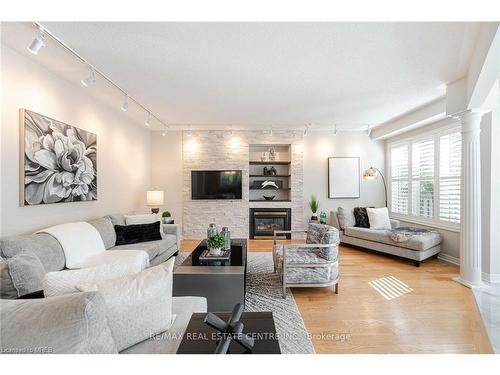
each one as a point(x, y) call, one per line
point(223, 285)
point(202, 339)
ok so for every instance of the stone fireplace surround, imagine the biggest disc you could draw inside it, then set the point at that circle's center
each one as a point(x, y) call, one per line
point(219, 150)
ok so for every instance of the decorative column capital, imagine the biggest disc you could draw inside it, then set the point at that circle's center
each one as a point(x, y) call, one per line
point(470, 119)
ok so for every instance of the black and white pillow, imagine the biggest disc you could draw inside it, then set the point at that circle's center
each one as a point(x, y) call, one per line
point(361, 217)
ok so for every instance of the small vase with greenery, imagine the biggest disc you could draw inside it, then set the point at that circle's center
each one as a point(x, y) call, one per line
point(215, 244)
point(166, 217)
point(314, 206)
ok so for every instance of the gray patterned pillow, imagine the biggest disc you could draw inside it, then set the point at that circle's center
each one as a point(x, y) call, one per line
point(346, 218)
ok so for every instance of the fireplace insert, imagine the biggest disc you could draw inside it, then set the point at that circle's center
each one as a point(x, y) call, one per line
point(264, 221)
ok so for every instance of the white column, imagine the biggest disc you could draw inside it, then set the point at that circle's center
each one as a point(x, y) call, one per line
point(470, 203)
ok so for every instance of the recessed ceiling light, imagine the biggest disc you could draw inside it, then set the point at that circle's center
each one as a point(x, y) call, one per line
point(37, 43)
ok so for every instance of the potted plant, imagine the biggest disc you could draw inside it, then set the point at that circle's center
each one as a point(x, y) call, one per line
point(166, 217)
point(215, 244)
point(314, 206)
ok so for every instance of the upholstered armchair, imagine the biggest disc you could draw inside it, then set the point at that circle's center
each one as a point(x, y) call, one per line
point(313, 264)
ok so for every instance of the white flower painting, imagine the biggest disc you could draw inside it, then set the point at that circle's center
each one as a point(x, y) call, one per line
point(60, 161)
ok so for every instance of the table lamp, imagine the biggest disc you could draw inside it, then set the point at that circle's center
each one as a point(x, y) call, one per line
point(154, 199)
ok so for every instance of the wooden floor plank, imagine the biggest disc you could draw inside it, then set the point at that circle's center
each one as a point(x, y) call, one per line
point(437, 316)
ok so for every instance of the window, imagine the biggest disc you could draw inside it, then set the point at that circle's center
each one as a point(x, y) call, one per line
point(425, 178)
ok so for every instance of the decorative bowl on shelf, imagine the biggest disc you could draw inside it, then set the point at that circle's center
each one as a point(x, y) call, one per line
point(269, 198)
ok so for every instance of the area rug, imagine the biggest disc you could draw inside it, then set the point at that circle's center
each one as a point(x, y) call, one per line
point(264, 294)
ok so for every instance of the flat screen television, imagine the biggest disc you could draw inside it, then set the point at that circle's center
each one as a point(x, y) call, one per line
point(216, 184)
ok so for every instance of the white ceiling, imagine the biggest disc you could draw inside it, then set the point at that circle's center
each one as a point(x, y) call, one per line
point(280, 74)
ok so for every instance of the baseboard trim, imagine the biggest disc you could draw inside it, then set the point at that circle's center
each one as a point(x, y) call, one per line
point(449, 258)
point(492, 278)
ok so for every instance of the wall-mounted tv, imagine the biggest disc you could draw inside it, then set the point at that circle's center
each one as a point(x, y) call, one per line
point(216, 184)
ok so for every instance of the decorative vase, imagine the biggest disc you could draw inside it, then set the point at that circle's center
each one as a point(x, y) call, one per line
point(314, 218)
point(212, 230)
point(323, 218)
point(216, 251)
point(227, 238)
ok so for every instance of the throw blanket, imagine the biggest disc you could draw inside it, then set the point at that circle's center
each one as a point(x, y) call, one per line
point(79, 241)
point(403, 234)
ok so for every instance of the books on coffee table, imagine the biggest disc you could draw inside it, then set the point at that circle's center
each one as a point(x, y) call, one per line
point(207, 257)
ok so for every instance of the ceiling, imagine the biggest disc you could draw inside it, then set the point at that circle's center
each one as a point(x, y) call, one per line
point(279, 74)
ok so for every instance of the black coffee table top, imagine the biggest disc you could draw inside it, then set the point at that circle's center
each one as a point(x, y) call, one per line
point(199, 338)
point(238, 254)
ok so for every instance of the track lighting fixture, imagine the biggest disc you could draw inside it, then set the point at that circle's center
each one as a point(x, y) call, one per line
point(334, 130)
point(271, 132)
point(189, 133)
point(164, 133)
point(125, 104)
point(37, 43)
point(41, 34)
point(368, 130)
point(89, 80)
point(306, 130)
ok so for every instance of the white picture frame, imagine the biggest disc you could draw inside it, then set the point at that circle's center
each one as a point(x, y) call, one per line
point(343, 177)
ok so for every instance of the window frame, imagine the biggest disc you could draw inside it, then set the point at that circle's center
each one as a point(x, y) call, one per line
point(409, 217)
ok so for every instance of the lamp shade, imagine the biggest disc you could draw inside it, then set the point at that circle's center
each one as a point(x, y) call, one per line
point(370, 174)
point(154, 198)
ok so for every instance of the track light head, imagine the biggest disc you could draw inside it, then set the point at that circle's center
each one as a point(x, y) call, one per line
point(368, 130)
point(89, 80)
point(125, 105)
point(189, 133)
point(306, 130)
point(148, 119)
point(38, 43)
point(164, 133)
point(334, 130)
point(270, 132)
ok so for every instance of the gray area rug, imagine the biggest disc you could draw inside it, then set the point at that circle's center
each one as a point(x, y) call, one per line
point(264, 294)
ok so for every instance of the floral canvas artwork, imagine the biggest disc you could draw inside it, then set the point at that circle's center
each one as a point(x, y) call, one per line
point(60, 161)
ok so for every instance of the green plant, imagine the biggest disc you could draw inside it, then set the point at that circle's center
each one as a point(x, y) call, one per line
point(314, 204)
point(166, 214)
point(216, 241)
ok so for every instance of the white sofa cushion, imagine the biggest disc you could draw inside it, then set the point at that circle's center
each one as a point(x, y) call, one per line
point(378, 218)
point(65, 281)
point(137, 306)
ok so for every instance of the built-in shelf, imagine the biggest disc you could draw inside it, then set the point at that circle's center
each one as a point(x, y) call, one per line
point(270, 189)
point(272, 200)
point(270, 162)
point(270, 176)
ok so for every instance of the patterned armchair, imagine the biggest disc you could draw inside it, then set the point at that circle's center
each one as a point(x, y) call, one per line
point(313, 264)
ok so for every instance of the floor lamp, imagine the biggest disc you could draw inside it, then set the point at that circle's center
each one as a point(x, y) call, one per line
point(373, 173)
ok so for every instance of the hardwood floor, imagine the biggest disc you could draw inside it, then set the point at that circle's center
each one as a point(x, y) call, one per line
point(437, 316)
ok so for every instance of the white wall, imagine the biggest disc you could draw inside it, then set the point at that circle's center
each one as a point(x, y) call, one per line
point(123, 147)
point(166, 170)
point(318, 146)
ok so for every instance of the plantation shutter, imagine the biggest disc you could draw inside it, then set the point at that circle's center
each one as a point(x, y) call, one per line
point(399, 179)
point(423, 178)
point(449, 177)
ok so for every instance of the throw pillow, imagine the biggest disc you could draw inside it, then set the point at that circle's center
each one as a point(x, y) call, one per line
point(142, 219)
point(129, 234)
point(70, 324)
point(27, 273)
point(346, 218)
point(137, 306)
point(64, 282)
point(361, 217)
point(378, 218)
